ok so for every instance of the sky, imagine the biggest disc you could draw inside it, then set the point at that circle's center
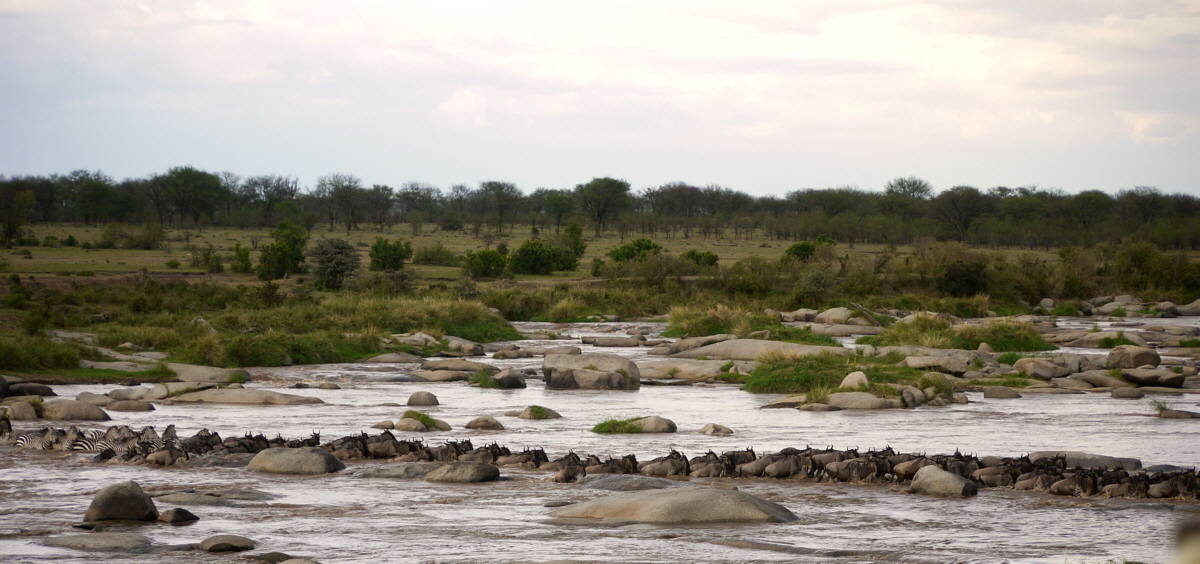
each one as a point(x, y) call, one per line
point(763, 97)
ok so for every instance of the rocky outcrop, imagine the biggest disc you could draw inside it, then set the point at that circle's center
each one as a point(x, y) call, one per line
point(580, 379)
point(679, 506)
point(106, 542)
point(1100, 379)
point(697, 342)
point(1040, 368)
point(121, 502)
point(1156, 378)
point(859, 400)
point(1092, 339)
point(946, 364)
point(590, 371)
point(681, 368)
point(305, 460)
point(246, 396)
point(72, 410)
point(1130, 356)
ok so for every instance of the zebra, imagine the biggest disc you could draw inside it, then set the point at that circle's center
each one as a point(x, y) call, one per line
point(39, 440)
point(90, 440)
point(67, 440)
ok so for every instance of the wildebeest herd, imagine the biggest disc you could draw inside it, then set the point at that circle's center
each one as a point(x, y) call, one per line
point(1050, 473)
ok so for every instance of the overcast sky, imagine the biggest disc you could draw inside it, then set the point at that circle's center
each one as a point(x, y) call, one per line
point(763, 97)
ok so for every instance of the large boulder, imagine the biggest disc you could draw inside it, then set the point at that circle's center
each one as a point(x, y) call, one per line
point(935, 481)
point(305, 460)
point(627, 483)
point(678, 506)
point(751, 349)
point(654, 424)
point(30, 389)
point(72, 410)
point(1130, 356)
point(122, 502)
point(697, 342)
point(464, 473)
point(408, 425)
point(555, 364)
point(1154, 377)
point(401, 470)
point(22, 411)
point(194, 373)
point(858, 400)
point(226, 543)
point(133, 393)
point(1000, 392)
point(1088, 460)
point(1100, 379)
point(508, 379)
point(681, 368)
point(947, 364)
point(581, 379)
point(245, 396)
point(837, 315)
point(130, 405)
point(1092, 340)
point(1040, 368)
point(169, 389)
point(107, 542)
point(1127, 393)
point(395, 358)
point(457, 365)
point(422, 399)
point(854, 381)
point(485, 423)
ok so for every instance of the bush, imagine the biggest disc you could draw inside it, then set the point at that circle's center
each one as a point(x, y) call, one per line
point(597, 266)
point(1110, 342)
point(208, 259)
point(538, 412)
point(286, 255)
point(241, 259)
point(701, 258)
point(484, 264)
point(389, 256)
point(1190, 343)
point(21, 353)
point(634, 250)
point(533, 257)
point(335, 260)
point(964, 278)
point(436, 255)
point(572, 238)
point(450, 222)
point(70, 241)
point(173, 264)
point(802, 251)
point(118, 235)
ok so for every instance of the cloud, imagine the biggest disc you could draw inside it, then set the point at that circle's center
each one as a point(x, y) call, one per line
point(465, 109)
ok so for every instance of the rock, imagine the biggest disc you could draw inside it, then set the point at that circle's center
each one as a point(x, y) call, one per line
point(177, 515)
point(168, 389)
point(804, 314)
point(566, 349)
point(715, 429)
point(304, 460)
point(385, 424)
point(696, 342)
point(679, 505)
point(401, 470)
point(654, 424)
point(458, 365)
point(1100, 379)
point(395, 358)
point(1130, 356)
point(329, 386)
point(410, 426)
point(71, 410)
point(1040, 368)
point(947, 364)
point(751, 349)
point(226, 543)
point(627, 483)
point(1154, 377)
point(612, 341)
point(1000, 392)
point(985, 348)
point(1046, 303)
point(441, 375)
point(528, 413)
point(837, 315)
point(130, 405)
point(854, 381)
point(912, 396)
point(485, 423)
point(30, 389)
point(1178, 414)
point(422, 399)
point(510, 380)
point(553, 364)
point(680, 368)
point(1088, 460)
point(193, 373)
point(125, 394)
point(271, 557)
point(935, 481)
point(246, 396)
point(1127, 393)
point(1071, 384)
point(94, 399)
point(464, 473)
point(819, 407)
point(857, 400)
point(121, 502)
point(115, 542)
point(789, 402)
point(418, 339)
point(567, 379)
point(22, 411)
point(1092, 339)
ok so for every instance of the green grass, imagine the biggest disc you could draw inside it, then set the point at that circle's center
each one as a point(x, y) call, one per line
point(1067, 309)
point(777, 374)
point(939, 334)
point(617, 426)
point(1011, 358)
point(1110, 342)
point(423, 418)
point(1006, 381)
point(695, 322)
point(538, 412)
point(29, 353)
point(96, 375)
point(484, 379)
point(1159, 406)
point(1190, 343)
point(1119, 312)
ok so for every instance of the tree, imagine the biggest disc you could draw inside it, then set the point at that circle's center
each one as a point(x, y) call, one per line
point(910, 187)
point(960, 209)
point(533, 257)
point(192, 192)
point(345, 199)
point(270, 190)
point(501, 198)
point(334, 261)
point(389, 256)
point(15, 206)
point(602, 199)
point(484, 264)
point(285, 255)
point(634, 250)
point(90, 195)
point(572, 239)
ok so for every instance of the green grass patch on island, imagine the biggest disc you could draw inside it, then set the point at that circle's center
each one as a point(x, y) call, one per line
point(617, 426)
point(423, 418)
point(928, 331)
point(694, 322)
point(779, 374)
point(538, 412)
point(1190, 343)
point(484, 379)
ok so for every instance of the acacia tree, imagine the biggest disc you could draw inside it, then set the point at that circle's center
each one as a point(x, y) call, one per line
point(960, 209)
point(909, 187)
point(192, 192)
point(602, 199)
point(559, 206)
point(502, 199)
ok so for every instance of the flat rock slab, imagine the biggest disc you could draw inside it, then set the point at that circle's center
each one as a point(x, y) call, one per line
point(100, 541)
point(124, 366)
point(247, 397)
point(226, 543)
point(858, 400)
point(72, 410)
point(194, 373)
point(628, 483)
point(441, 375)
point(1088, 460)
point(395, 358)
point(679, 505)
point(751, 349)
point(401, 470)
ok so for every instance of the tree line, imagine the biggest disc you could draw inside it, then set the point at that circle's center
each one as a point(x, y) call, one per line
point(906, 210)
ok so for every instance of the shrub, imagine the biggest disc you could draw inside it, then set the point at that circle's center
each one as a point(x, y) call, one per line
point(285, 255)
point(70, 241)
point(21, 352)
point(241, 259)
point(701, 258)
point(450, 222)
point(436, 255)
point(634, 250)
point(533, 257)
point(1119, 312)
point(567, 309)
point(423, 418)
point(335, 260)
point(484, 264)
point(802, 251)
point(208, 259)
point(389, 256)
point(597, 266)
point(963, 278)
point(617, 426)
point(173, 264)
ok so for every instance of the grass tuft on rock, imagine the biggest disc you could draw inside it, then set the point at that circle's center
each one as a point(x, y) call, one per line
point(538, 412)
point(695, 322)
point(777, 373)
point(425, 420)
point(617, 426)
point(484, 379)
point(1190, 343)
point(939, 334)
point(1110, 342)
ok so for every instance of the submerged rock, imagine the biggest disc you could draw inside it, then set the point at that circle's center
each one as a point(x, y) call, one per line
point(305, 460)
point(114, 542)
point(226, 543)
point(246, 396)
point(464, 473)
point(679, 505)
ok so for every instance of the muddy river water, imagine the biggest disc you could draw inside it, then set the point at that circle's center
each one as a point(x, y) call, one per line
point(347, 518)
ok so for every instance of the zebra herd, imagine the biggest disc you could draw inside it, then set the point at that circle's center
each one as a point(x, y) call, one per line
point(119, 441)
